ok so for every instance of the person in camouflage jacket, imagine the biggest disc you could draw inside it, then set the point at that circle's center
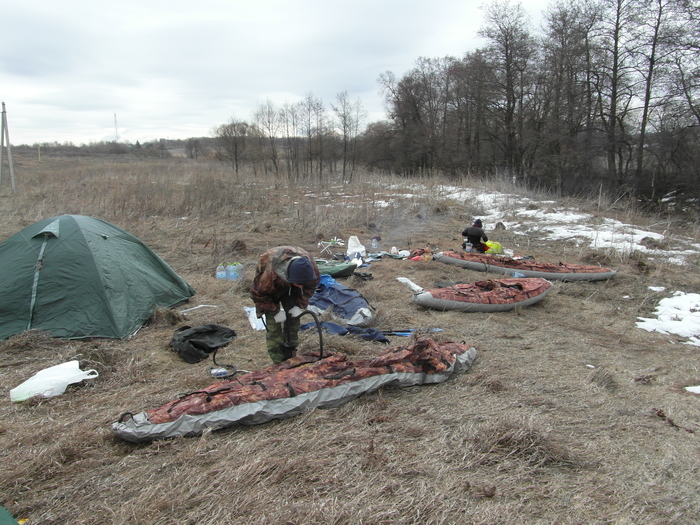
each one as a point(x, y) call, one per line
point(286, 278)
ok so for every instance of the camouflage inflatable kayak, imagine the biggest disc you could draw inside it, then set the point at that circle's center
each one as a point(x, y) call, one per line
point(482, 262)
point(294, 386)
point(493, 295)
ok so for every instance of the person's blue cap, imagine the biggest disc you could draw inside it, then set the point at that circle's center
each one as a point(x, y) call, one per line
point(300, 271)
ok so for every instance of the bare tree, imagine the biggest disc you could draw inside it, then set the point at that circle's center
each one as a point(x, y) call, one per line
point(313, 126)
point(567, 98)
point(193, 148)
point(614, 72)
point(511, 48)
point(231, 142)
point(267, 122)
point(349, 117)
point(289, 122)
point(656, 45)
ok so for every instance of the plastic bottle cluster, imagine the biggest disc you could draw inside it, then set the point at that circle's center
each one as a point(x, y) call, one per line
point(229, 271)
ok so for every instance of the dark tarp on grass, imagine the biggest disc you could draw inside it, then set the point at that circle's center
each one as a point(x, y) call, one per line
point(79, 277)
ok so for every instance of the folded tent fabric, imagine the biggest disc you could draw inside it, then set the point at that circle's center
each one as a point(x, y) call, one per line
point(343, 302)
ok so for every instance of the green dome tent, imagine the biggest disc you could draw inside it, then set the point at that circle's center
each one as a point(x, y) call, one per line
point(6, 518)
point(79, 277)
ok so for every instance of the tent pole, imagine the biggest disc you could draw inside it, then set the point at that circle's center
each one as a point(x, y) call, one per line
point(35, 285)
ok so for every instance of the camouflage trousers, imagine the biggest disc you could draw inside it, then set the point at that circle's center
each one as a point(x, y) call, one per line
point(275, 336)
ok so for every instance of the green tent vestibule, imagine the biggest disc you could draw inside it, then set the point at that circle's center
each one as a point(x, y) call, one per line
point(80, 277)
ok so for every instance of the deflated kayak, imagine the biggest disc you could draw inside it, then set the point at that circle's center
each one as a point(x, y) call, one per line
point(493, 295)
point(294, 386)
point(508, 266)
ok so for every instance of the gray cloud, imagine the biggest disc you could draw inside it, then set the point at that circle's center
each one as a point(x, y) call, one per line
point(177, 69)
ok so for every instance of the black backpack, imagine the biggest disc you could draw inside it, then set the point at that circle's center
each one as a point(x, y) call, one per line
point(194, 344)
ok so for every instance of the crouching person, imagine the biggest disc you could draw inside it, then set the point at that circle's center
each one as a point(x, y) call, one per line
point(285, 279)
point(474, 234)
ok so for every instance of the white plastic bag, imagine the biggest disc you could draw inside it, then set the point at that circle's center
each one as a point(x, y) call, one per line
point(355, 247)
point(51, 381)
point(256, 322)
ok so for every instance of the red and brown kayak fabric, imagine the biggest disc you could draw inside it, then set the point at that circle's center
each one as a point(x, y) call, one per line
point(295, 386)
point(492, 295)
point(493, 291)
point(527, 267)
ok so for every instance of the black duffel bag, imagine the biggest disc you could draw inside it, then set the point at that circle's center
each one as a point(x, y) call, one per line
point(194, 344)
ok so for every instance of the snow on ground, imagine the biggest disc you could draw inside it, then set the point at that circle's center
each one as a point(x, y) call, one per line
point(677, 314)
point(547, 220)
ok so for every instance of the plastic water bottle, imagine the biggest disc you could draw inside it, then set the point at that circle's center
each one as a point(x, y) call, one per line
point(221, 271)
point(232, 271)
point(374, 243)
point(219, 372)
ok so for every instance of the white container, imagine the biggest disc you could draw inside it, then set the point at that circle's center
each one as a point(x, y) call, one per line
point(221, 271)
point(234, 271)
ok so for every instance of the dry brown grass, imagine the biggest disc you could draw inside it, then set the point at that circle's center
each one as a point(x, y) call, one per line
point(571, 414)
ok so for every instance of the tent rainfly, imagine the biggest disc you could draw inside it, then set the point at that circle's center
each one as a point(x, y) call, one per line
point(80, 277)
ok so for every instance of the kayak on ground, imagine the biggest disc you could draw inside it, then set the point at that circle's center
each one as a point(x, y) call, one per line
point(526, 267)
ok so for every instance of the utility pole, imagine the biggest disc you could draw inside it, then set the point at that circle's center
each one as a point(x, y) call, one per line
point(5, 142)
point(116, 129)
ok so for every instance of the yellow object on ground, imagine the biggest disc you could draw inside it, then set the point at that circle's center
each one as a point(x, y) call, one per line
point(494, 247)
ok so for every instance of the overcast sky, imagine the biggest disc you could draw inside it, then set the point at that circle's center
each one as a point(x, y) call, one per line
point(178, 69)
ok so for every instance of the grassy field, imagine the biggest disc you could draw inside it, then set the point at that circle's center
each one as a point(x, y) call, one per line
point(569, 415)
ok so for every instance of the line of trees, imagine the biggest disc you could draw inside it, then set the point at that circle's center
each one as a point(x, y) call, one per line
point(299, 141)
point(606, 97)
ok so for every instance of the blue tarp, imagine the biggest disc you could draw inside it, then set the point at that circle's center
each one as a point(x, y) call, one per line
point(345, 303)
